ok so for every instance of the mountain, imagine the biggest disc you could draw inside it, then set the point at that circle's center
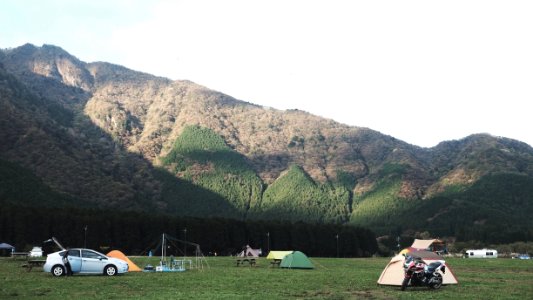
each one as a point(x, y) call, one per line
point(110, 137)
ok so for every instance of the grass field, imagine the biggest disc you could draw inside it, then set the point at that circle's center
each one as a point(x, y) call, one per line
point(331, 279)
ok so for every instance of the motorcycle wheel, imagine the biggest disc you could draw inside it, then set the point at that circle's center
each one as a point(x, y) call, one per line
point(405, 283)
point(436, 282)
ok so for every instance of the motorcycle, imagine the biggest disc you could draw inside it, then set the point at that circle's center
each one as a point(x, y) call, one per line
point(418, 273)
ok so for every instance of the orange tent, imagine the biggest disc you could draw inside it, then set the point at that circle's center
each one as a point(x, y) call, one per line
point(132, 266)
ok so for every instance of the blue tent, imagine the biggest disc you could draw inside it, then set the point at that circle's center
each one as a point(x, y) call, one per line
point(6, 249)
point(6, 246)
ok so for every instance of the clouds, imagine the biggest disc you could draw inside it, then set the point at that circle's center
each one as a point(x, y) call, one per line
point(418, 70)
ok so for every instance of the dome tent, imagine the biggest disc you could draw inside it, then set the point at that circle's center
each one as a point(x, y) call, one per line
point(296, 260)
point(132, 267)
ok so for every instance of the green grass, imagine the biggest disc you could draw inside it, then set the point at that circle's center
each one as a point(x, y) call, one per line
point(331, 279)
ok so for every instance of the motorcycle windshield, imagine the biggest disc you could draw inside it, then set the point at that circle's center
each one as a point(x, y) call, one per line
point(433, 266)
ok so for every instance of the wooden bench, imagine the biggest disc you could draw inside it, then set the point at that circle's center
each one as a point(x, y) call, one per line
point(21, 255)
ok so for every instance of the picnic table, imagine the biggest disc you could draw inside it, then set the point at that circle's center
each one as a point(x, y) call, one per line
point(242, 260)
point(275, 262)
point(34, 263)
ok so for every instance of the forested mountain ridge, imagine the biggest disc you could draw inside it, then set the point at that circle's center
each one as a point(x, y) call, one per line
point(114, 137)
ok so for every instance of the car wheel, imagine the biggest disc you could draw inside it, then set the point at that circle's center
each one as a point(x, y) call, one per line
point(110, 270)
point(58, 270)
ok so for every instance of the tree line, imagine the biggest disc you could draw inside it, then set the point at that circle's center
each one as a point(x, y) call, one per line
point(137, 233)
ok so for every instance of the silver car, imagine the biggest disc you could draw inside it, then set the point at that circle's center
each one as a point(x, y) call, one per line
point(84, 261)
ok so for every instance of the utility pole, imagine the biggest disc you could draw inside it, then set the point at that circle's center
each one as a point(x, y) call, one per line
point(398, 241)
point(337, 237)
point(185, 239)
point(85, 239)
point(268, 242)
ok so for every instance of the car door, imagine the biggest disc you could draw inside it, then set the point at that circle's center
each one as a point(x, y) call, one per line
point(75, 261)
point(93, 262)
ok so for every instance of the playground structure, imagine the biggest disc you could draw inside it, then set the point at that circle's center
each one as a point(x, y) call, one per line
point(171, 263)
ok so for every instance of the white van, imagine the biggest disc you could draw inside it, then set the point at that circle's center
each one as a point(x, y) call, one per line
point(482, 253)
point(36, 252)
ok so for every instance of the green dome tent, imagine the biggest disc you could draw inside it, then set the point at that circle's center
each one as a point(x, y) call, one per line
point(296, 260)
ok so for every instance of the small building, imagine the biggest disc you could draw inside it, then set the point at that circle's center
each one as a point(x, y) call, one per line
point(481, 253)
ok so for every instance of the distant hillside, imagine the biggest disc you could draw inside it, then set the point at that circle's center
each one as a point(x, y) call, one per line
point(112, 137)
point(19, 186)
point(201, 156)
point(294, 196)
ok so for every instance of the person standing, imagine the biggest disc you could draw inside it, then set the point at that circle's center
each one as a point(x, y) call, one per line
point(67, 263)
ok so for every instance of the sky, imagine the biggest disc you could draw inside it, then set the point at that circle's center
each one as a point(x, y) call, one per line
point(420, 71)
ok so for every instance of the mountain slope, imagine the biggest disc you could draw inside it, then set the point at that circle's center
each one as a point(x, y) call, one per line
point(294, 196)
point(54, 140)
point(20, 186)
point(201, 157)
point(114, 137)
point(497, 208)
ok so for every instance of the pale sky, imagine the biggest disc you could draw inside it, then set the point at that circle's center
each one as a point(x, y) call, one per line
point(421, 71)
